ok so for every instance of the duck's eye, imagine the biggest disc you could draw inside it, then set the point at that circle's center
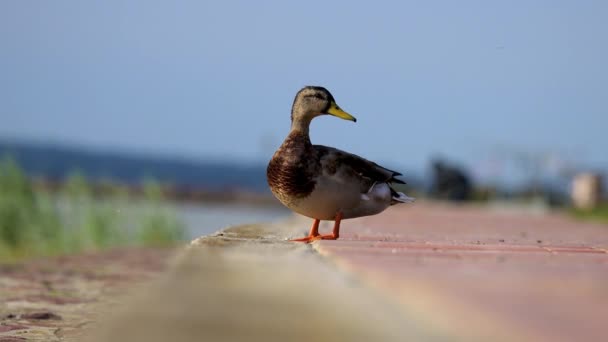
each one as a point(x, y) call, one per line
point(316, 96)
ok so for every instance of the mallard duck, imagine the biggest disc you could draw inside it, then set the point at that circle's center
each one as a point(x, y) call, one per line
point(322, 182)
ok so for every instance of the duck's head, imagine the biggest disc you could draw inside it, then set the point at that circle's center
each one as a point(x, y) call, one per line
point(312, 101)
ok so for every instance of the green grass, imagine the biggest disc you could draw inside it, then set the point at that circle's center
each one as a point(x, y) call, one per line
point(34, 223)
point(599, 213)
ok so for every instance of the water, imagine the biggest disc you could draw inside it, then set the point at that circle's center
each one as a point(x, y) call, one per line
point(204, 219)
point(198, 218)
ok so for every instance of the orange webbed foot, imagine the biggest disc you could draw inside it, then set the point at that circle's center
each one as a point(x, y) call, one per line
point(314, 231)
point(310, 239)
point(312, 235)
point(306, 239)
point(327, 237)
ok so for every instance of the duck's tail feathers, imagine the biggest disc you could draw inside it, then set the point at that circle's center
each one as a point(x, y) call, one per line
point(400, 197)
point(397, 180)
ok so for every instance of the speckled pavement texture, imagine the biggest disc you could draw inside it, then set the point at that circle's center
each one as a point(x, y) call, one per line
point(59, 298)
point(484, 273)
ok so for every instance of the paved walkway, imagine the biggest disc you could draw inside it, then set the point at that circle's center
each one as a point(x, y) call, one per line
point(423, 272)
point(482, 273)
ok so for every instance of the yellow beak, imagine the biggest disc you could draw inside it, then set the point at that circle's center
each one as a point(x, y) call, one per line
point(336, 111)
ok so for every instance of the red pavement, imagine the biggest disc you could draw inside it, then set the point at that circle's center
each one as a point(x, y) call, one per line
point(484, 274)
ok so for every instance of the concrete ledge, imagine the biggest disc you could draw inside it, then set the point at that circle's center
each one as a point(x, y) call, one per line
point(247, 284)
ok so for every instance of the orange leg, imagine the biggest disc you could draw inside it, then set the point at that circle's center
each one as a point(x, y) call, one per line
point(314, 232)
point(336, 231)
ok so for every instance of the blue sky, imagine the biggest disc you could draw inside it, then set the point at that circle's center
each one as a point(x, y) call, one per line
point(203, 79)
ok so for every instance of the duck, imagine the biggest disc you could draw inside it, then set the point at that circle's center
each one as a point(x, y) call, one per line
point(322, 182)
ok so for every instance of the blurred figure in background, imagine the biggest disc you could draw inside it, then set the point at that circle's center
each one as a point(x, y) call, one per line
point(450, 182)
point(587, 190)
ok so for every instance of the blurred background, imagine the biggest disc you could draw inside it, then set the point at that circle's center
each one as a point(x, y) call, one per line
point(152, 122)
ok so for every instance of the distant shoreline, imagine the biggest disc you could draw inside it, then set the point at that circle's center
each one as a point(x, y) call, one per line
point(173, 193)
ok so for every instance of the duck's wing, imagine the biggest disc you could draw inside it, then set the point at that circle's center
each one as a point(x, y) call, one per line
point(352, 168)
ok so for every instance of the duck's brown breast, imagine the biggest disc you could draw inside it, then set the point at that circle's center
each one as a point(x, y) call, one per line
point(292, 170)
